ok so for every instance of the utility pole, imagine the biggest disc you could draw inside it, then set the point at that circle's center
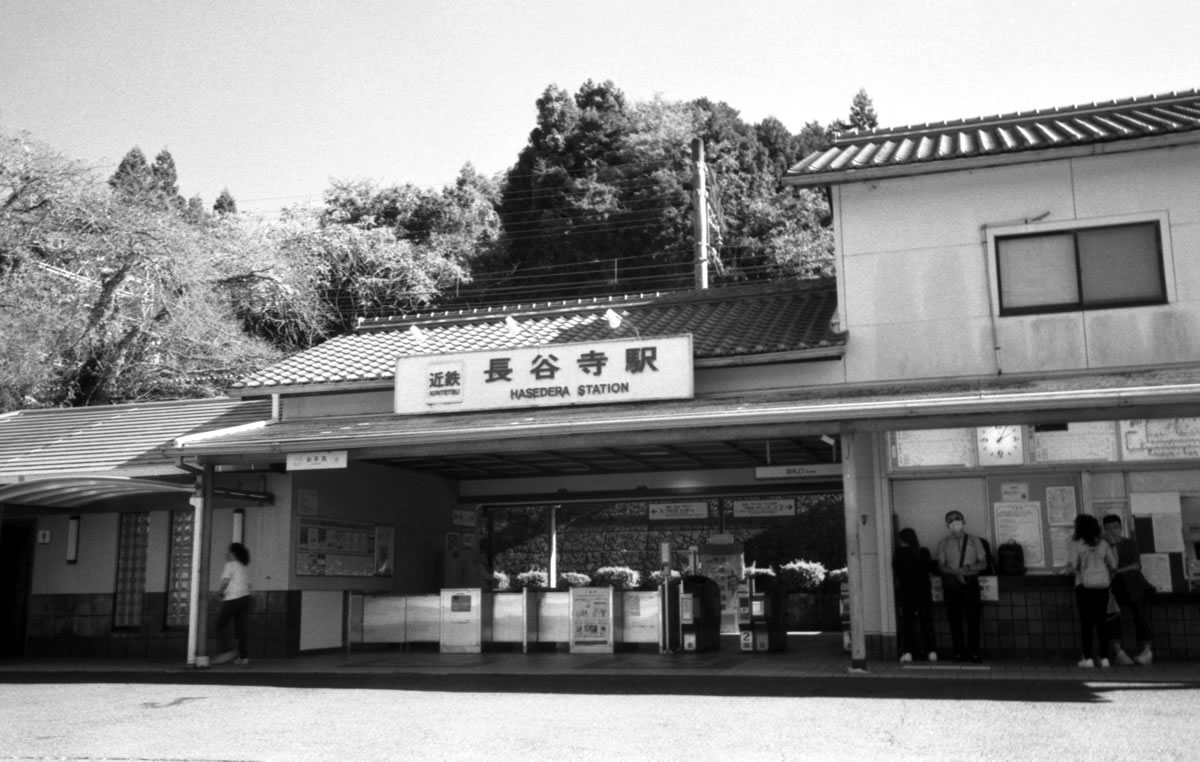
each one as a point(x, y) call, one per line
point(700, 209)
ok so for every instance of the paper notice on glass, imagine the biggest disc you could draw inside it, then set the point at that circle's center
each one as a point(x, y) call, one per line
point(1168, 532)
point(1022, 522)
point(1014, 492)
point(1060, 542)
point(1144, 503)
point(1156, 568)
point(1060, 505)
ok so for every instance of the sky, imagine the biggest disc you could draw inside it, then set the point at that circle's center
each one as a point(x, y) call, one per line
point(274, 99)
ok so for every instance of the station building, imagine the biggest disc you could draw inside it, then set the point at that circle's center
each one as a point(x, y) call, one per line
point(1012, 333)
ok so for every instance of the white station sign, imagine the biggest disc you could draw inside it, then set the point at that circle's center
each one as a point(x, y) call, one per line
point(554, 375)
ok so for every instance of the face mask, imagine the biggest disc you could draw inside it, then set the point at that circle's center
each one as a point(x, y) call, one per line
point(956, 526)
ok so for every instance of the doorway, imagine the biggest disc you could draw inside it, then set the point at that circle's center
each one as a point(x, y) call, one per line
point(16, 574)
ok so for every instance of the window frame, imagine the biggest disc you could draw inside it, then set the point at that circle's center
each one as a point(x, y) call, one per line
point(1074, 227)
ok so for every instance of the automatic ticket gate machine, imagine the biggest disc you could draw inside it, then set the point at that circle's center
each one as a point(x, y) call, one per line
point(699, 614)
point(762, 623)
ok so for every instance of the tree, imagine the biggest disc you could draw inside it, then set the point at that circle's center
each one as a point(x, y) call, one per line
point(165, 180)
point(358, 271)
point(133, 179)
point(225, 203)
point(862, 112)
point(104, 298)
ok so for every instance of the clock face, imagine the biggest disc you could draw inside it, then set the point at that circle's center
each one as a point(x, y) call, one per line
point(1000, 445)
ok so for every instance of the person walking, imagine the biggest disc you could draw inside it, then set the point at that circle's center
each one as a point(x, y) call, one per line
point(960, 558)
point(911, 568)
point(235, 604)
point(1092, 560)
point(1130, 589)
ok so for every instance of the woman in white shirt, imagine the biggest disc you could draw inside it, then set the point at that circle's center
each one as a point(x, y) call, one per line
point(235, 604)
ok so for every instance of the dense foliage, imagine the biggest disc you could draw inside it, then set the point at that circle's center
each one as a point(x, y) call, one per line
point(122, 290)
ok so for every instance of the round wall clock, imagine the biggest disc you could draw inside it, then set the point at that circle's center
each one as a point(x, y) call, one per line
point(1000, 445)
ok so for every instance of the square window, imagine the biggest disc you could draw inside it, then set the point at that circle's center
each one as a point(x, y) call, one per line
point(1085, 268)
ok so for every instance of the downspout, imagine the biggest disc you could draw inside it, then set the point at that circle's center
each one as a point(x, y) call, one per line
point(987, 261)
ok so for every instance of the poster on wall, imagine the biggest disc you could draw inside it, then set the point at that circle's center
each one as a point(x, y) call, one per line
point(1079, 442)
point(1163, 439)
point(933, 447)
point(1060, 505)
point(335, 548)
point(1021, 522)
point(591, 617)
point(1060, 543)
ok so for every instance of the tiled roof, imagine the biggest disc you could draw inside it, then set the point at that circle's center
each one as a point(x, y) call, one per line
point(124, 438)
point(904, 150)
point(725, 322)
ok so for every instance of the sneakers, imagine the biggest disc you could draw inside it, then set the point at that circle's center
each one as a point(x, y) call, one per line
point(1086, 664)
point(906, 658)
point(933, 656)
point(1145, 658)
point(242, 662)
point(223, 658)
point(1104, 664)
point(1122, 658)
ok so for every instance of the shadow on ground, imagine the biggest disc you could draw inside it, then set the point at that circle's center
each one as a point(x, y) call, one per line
point(858, 686)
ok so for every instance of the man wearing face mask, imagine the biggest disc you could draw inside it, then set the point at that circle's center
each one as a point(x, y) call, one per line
point(960, 558)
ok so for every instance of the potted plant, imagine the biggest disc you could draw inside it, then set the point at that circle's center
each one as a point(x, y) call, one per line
point(801, 580)
point(619, 577)
point(574, 579)
point(533, 579)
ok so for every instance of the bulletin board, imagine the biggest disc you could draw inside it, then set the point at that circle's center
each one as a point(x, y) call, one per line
point(1038, 512)
point(341, 548)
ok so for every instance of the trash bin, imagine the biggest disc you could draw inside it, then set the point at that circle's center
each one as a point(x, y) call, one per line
point(699, 614)
point(761, 615)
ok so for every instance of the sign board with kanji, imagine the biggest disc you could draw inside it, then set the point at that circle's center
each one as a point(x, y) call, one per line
point(583, 373)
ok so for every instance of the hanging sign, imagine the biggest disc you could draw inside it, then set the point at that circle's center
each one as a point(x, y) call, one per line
point(792, 472)
point(676, 511)
point(757, 509)
point(553, 375)
point(305, 461)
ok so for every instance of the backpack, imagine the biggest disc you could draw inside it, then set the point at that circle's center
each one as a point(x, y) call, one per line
point(1010, 559)
point(1093, 571)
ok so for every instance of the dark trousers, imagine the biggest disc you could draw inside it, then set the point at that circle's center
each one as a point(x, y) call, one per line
point(237, 611)
point(1139, 611)
point(916, 616)
point(963, 606)
point(1093, 611)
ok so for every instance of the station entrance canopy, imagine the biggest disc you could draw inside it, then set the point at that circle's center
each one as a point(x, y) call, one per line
point(758, 430)
point(69, 458)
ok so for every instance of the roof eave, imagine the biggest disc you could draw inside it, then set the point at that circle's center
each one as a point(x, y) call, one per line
point(939, 166)
point(831, 352)
point(978, 407)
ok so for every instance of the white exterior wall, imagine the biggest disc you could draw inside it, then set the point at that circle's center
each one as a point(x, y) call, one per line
point(917, 282)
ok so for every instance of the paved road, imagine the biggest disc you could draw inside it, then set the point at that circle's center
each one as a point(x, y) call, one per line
point(226, 715)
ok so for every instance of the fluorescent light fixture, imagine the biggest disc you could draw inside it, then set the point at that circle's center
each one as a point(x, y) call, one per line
point(239, 525)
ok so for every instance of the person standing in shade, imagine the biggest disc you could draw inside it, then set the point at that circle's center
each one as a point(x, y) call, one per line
point(235, 604)
point(1129, 587)
point(960, 558)
point(1092, 560)
point(911, 568)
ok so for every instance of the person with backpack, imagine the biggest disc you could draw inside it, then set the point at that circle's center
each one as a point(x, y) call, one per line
point(1092, 560)
point(961, 558)
point(911, 567)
